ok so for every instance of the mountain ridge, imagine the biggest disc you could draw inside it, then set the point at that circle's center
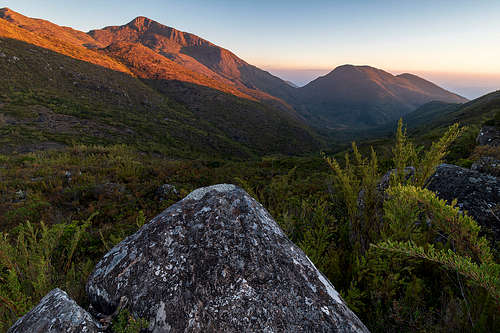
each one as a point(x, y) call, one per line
point(198, 55)
point(349, 96)
point(72, 89)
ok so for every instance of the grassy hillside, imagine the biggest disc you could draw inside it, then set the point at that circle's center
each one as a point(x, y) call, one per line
point(52, 99)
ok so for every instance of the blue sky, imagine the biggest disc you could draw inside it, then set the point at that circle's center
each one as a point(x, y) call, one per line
point(303, 38)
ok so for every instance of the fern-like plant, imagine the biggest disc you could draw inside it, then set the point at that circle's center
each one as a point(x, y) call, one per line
point(35, 261)
point(421, 225)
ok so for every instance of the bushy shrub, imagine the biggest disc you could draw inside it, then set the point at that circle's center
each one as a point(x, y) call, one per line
point(125, 322)
point(406, 238)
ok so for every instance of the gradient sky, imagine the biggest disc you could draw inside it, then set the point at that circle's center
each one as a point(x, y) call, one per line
point(454, 43)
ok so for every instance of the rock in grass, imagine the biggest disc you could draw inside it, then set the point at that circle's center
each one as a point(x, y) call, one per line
point(217, 262)
point(56, 313)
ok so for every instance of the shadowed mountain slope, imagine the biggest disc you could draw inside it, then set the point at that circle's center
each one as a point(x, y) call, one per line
point(440, 115)
point(366, 96)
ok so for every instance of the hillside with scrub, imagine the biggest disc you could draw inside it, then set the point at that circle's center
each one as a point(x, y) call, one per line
point(402, 251)
point(152, 181)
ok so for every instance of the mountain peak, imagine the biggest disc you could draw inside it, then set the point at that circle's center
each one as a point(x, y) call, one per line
point(355, 67)
point(141, 22)
point(408, 75)
point(348, 68)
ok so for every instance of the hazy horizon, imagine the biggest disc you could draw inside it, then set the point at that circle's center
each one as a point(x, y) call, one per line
point(451, 43)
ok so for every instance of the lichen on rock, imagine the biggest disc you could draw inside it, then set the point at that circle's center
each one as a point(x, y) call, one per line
point(477, 193)
point(56, 313)
point(217, 261)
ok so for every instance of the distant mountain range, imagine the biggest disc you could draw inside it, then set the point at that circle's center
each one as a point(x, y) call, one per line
point(245, 105)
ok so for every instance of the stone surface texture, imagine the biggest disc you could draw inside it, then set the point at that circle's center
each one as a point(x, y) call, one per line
point(477, 193)
point(56, 313)
point(488, 165)
point(489, 135)
point(216, 261)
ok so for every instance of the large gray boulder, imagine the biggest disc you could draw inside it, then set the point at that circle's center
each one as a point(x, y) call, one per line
point(56, 313)
point(477, 193)
point(216, 261)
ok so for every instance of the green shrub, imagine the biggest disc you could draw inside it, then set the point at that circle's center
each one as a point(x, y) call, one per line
point(125, 322)
point(397, 283)
point(37, 259)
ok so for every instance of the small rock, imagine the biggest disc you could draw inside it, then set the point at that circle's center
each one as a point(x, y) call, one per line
point(21, 195)
point(109, 188)
point(165, 191)
point(56, 313)
point(385, 180)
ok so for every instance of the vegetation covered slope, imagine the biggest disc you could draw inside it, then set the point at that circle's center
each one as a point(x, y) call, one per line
point(91, 197)
point(440, 115)
point(56, 93)
point(431, 120)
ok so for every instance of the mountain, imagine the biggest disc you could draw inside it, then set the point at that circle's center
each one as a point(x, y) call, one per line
point(57, 92)
point(197, 55)
point(52, 37)
point(213, 84)
point(363, 96)
point(429, 113)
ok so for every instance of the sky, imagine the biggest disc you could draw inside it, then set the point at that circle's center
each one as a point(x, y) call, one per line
point(453, 43)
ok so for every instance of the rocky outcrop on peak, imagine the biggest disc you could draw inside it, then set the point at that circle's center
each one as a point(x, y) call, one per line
point(56, 313)
point(489, 135)
point(216, 261)
point(477, 193)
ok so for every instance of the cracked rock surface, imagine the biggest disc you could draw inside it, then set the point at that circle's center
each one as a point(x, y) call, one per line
point(216, 261)
point(56, 313)
point(477, 193)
